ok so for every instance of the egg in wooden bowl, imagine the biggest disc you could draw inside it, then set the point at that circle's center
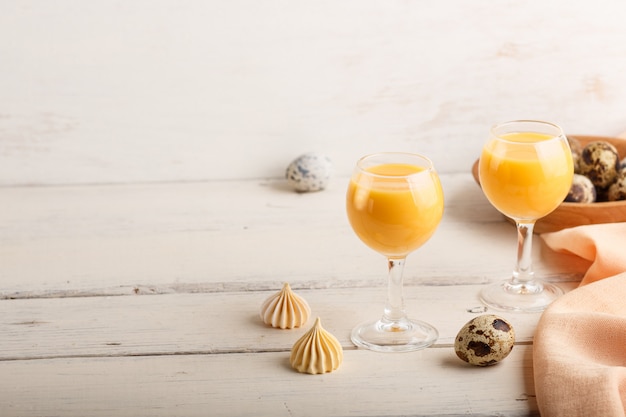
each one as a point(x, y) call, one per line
point(570, 214)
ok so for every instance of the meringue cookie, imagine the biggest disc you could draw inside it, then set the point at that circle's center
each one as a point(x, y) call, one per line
point(316, 352)
point(285, 309)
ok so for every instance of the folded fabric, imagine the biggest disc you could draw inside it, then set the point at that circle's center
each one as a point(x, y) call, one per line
point(602, 244)
point(579, 352)
point(579, 348)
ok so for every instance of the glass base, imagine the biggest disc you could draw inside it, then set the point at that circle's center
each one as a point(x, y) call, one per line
point(394, 336)
point(530, 297)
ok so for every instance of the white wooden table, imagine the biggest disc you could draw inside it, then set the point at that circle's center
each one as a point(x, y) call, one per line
point(138, 237)
point(143, 300)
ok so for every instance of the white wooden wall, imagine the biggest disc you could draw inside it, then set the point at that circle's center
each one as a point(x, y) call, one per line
point(106, 91)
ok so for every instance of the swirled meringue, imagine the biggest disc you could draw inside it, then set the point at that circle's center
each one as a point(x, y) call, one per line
point(285, 309)
point(316, 352)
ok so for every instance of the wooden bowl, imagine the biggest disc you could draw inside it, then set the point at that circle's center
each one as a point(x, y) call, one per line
point(577, 214)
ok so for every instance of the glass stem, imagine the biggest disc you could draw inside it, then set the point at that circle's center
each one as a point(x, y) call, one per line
point(523, 273)
point(394, 309)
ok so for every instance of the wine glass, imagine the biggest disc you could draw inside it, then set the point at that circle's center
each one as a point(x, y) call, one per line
point(394, 204)
point(525, 171)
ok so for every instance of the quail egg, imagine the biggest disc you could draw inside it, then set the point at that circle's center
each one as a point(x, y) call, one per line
point(582, 190)
point(599, 162)
point(309, 172)
point(485, 340)
point(617, 190)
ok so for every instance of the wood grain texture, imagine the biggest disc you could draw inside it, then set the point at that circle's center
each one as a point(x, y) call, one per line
point(219, 323)
point(166, 90)
point(264, 385)
point(232, 236)
point(143, 299)
point(143, 218)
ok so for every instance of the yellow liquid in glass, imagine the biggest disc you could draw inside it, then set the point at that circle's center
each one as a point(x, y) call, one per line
point(526, 181)
point(396, 213)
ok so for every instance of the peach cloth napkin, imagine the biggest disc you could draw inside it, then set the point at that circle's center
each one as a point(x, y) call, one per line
point(579, 349)
point(604, 245)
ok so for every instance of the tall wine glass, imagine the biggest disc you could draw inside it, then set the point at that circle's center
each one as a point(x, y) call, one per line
point(394, 204)
point(525, 171)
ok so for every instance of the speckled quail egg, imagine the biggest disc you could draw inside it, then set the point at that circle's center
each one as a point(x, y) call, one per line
point(599, 162)
point(577, 148)
point(582, 190)
point(617, 190)
point(309, 172)
point(485, 340)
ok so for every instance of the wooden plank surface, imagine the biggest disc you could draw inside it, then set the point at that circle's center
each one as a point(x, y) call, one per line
point(143, 215)
point(263, 384)
point(231, 236)
point(159, 90)
point(217, 323)
point(143, 299)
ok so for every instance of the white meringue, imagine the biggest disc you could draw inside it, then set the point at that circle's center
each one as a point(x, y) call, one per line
point(285, 309)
